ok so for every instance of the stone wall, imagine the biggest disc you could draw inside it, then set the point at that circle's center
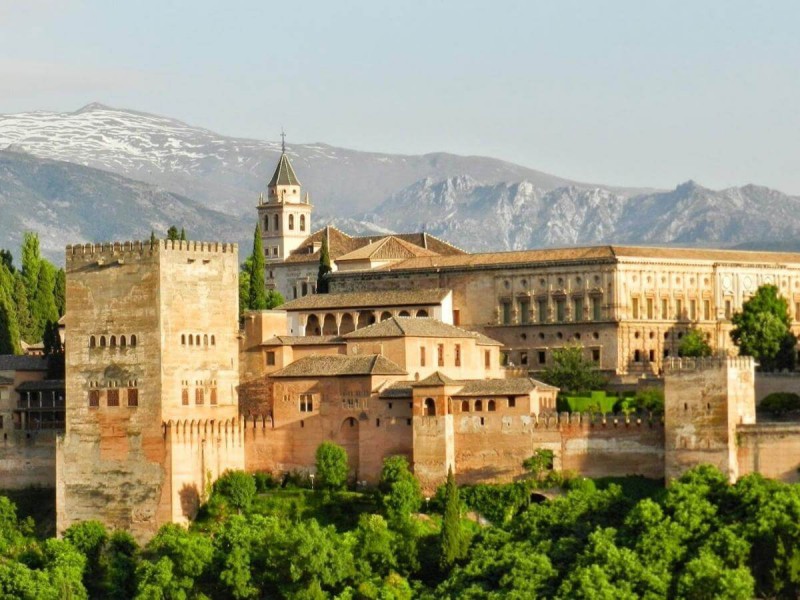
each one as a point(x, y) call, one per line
point(770, 383)
point(27, 459)
point(772, 449)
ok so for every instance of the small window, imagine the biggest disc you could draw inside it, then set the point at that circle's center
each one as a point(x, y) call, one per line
point(440, 354)
point(430, 407)
point(478, 405)
point(276, 223)
point(306, 403)
point(408, 421)
point(102, 341)
point(198, 396)
point(185, 397)
point(197, 340)
point(302, 222)
point(113, 341)
point(213, 340)
point(205, 340)
point(213, 396)
point(112, 398)
point(291, 222)
point(491, 406)
point(512, 402)
point(458, 355)
point(422, 356)
point(92, 342)
point(133, 397)
point(94, 398)
point(541, 357)
point(637, 356)
point(191, 340)
point(651, 355)
point(133, 341)
point(271, 358)
point(123, 341)
point(523, 358)
point(183, 339)
point(377, 422)
point(487, 358)
point(483, 421)
point(465, 406)
point(596, 355)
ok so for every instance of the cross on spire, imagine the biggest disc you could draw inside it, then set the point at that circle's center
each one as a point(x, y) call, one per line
point(283, 141)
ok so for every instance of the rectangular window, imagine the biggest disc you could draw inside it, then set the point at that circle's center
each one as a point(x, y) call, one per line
point(214, 396)
point(198, 395)
point(634, 308)
point(542, 357)
point(664, 308)
point(94, 398)
point(596, 315)
point(523, 358)
point(678, 309)
point(275, 251)
point(707, 310)
point(541, 308)
point(456, 316)
point(133, 397)
point(506, 308)
point(306, 403)
point(271, 358)
point(577, 309)
point(112, 398)
point(561, 310)
point(512, 402)
point(524, 311)
point(692, 310)
point(596, 355)
point(637, 356)
point(650, 309)
point(185, 397)
point(652, 355)
point(440, 354)
point(422, 356)
point(487, 358)
point(458, 355)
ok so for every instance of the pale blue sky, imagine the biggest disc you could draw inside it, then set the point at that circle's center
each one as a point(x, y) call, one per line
point(639, 93)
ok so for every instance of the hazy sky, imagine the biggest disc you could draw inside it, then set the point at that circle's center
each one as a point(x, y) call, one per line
point(640, 93)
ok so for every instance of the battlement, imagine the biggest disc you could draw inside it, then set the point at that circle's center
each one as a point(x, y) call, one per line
point(686, 364)
point(202, 427)
point(117, 250)
point(558, 421)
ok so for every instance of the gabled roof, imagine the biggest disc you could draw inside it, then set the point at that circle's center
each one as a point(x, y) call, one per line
point(379, 299)
point(435, 379)
point(500, 387)
point(44, 385)
point(334, 365)
point(303, 340)
point(387, 248)
point(14, 362)
point(284, 173)
point(412, 327)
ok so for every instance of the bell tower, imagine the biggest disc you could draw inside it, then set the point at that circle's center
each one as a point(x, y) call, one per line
point(284, 216)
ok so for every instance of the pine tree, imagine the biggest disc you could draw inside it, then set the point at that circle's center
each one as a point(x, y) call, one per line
point(9, 331)
point(452, 541)
point(60, 292)
point(257, 297)
point(324, 267)
point(31, 263)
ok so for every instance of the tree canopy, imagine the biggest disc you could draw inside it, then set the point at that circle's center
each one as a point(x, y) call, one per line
point(694, 344)
point(572, 372)
point(762, 330)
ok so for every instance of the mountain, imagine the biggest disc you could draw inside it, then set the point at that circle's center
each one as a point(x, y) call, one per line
point(511, 216)
point(226, 173)
point(67, 203)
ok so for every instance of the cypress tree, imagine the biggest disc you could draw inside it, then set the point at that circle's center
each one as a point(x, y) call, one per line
point(23, 309)
point(152, 238)
point(324, 266)
point(43, 308)
point(257, 298)
point(9, 331)
point(244, 285)
point(7, 259)
point(31, 263)
point(183, 235)
point(60, 292)
point(452, 542)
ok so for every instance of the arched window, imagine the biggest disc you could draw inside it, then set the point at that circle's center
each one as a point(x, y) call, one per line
point(133, 341)
point(197, 340)
point(302, 222)
point(213, 341)
point(123, 341)
point(92, 342)
point(491, 406)
point(422, 313)
point(205, 340)
point(430, 407)
point(102, 341)
point(113, 341)
point(465, 406)
point(478, 405)
point(266, 223)
point(305, 289)
point(291, 221)
point(276, 223)
point(191, 340)
point(183, 339)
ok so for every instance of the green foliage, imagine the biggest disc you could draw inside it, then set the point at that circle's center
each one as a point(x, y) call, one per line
point(256, 296)
point(596, 402)
point(7, 260)
point(762, 330)
point(539, 462)
point(9, 328)
point(401, 492)
point(172, 234)
point(60, 292)
point(43, 305)
point(31, 263)
point(650, 399)
point(332, 469)
point(274, 299)
point(572, 372)
point(453, 542)
point(779, 403)
point(183, 235)
point(238, 488)
point(323, 283)
point(694, 344)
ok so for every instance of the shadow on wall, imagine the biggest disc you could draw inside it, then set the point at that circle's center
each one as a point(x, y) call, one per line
point(190, 500)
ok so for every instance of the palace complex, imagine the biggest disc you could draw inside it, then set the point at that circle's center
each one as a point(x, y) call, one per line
point(420, 349)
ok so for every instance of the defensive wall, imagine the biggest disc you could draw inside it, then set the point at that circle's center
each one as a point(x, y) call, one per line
point(27, 458)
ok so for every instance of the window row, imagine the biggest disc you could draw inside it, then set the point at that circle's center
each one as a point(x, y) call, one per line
point(114, 397)
point(681, 310)
point(114, 383)
point(523, 312)
point(276, 222)
point(112, 341)
point(199, 396)
point(192, 339)
point(524, 358)
point(440, 355)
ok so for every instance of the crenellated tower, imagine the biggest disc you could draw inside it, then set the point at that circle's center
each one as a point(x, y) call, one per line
point(284, 215)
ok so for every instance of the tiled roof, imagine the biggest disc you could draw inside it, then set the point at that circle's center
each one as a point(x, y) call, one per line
point(411, 327)
point(499, 387)
point(586, 253)
point(303, 340)
point(368, 299)
point(6, 380)
point(429, 242)
point(284, 173)
point(387, 248)
point(399, 389)
point(485, 340)
point(14, 362)
point(435, 379)
point(336, 364)
point(41, 385)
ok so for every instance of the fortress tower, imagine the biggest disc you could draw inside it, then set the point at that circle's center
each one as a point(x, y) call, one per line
point(151, 372)
point(284, 216)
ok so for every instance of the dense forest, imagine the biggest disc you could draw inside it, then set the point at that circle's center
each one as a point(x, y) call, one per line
point(31, 299)
point(256, 537)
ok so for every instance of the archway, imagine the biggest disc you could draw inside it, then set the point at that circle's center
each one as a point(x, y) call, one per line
point(313, 326)
point(365, 319)
point(348, 438)
point(422, 313)
point(347, 324)
point(329, 325)
point(386, 315)
point(430, 407)
point(404, 313)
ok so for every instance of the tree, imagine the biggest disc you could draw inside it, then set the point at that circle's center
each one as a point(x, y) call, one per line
point(31, 263)
point(762, 330)
point(238, 487)
point(257, 296)
point(539, 462)
point(571, 372)
point(43, 307)
point(153, 240)
point(24, 317)
point(332, 466)
point(183, 235)
point(7, 260)
point(9, 329)
point(323, 284)
point(274, 299)
point(453, 543)
point(172, 234)
point(779, 403)
point(60, 292)
point(694, 344)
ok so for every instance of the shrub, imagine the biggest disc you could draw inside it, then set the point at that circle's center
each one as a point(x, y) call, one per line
point(780, 403)
point(237, 487)
point(332, 467)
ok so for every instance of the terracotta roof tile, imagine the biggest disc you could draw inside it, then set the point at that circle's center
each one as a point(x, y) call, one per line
point(303, 340)
point(13, 362)
point(435, 379)
point(334, 365)
point(377, 299)
point(411, 327)
point(387, 248)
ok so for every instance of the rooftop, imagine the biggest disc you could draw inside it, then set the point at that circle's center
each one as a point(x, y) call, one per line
point(416, 327)
point(41, 385)
point(303, 340)
point(368, 299)
point(387, 248)
point(284, 173)
point(334, 365)
point(513, 386)
point(14, 362)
